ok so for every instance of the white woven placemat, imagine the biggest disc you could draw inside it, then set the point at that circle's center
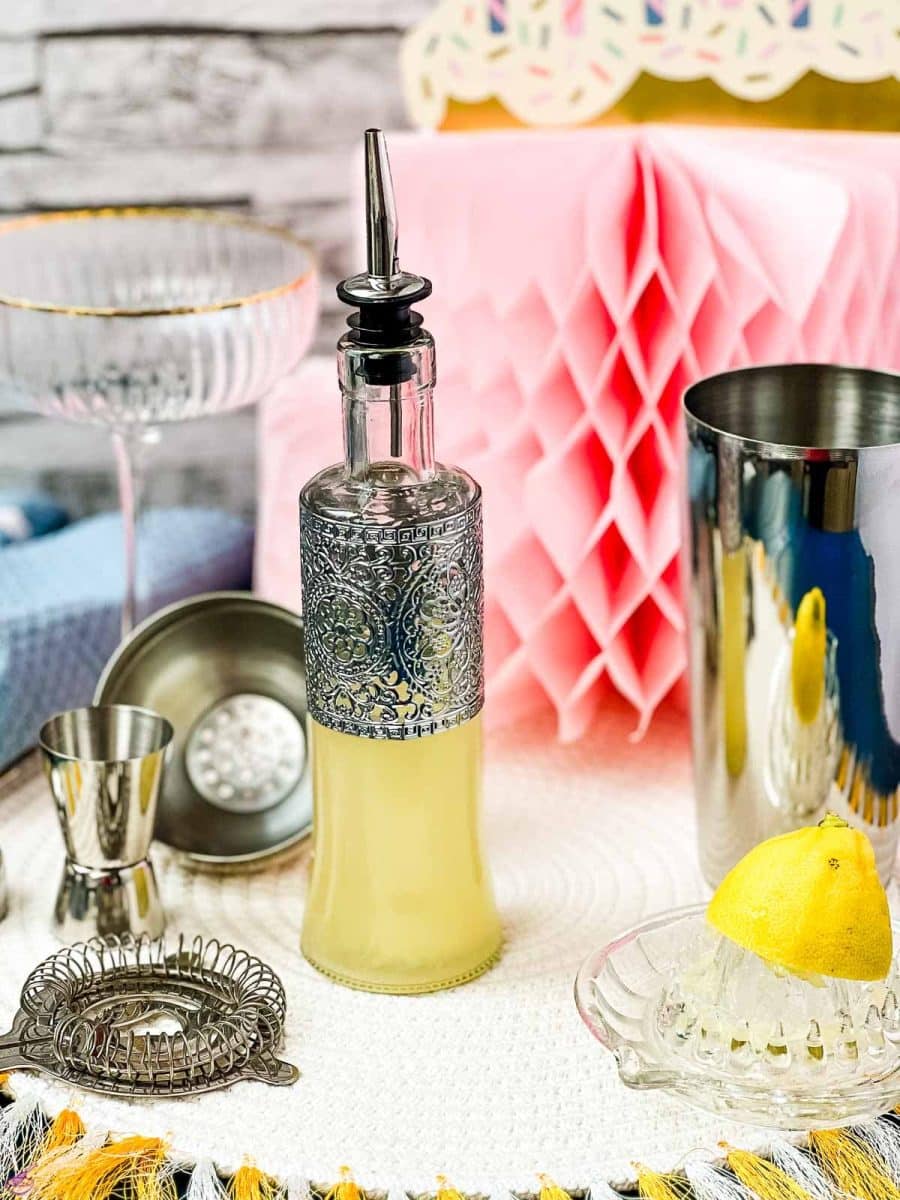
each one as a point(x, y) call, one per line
point(489, 1084)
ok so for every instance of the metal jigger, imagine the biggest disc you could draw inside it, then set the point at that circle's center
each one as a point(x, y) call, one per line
point(105, 768)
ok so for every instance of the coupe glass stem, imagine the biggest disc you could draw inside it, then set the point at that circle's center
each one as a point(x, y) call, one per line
point(130, 446)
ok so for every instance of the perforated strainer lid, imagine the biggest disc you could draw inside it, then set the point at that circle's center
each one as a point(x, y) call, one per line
point(226, 669)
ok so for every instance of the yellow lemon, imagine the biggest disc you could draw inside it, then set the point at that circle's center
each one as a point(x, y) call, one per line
point(811, 902)
point(734, 652)
point(808, 656)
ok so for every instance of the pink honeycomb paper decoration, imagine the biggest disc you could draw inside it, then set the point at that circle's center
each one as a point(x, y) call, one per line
point(582, 281)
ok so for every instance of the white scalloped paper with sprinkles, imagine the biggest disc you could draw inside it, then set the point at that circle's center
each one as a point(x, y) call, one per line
point(563, 62)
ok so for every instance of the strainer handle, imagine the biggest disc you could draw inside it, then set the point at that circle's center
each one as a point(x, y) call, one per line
point(14, 1052)
point(269, 1069)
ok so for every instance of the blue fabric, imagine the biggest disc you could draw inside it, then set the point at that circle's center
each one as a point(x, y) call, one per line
point(61, 598)
point(25, 515)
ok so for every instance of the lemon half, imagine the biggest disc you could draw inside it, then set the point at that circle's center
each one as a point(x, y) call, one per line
point(811, 902)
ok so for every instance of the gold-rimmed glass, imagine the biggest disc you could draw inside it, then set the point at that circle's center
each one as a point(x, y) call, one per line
point(133, 318)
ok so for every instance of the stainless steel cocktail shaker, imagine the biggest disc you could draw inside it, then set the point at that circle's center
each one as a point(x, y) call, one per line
point(792, 573)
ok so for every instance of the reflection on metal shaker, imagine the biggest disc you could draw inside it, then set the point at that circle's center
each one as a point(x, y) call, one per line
point(792, 574)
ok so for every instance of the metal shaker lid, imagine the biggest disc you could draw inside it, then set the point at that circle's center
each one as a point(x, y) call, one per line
point(226, 669)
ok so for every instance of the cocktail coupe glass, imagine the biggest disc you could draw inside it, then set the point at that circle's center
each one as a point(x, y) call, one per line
point(136, 317)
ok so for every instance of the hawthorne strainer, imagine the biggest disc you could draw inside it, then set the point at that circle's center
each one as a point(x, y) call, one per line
point(137, 1017)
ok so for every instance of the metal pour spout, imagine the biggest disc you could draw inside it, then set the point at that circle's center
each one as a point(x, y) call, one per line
point(383, 293)
point(381, 211)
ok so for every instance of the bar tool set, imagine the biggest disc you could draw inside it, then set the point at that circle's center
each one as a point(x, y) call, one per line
point(121, 1012)
point(222, 724)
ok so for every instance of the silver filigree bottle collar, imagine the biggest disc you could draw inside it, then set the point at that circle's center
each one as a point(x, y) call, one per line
point(394, 623)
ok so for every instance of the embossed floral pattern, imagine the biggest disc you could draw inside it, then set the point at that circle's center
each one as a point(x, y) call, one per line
point(347, 634)
point(394, 624)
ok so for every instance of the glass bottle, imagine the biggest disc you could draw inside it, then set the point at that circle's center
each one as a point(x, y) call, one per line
point(400, 899)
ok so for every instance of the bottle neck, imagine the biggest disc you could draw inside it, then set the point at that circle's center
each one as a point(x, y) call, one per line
point(388, 426)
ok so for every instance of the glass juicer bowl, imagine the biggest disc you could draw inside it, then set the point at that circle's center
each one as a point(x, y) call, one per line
point(685, 1009)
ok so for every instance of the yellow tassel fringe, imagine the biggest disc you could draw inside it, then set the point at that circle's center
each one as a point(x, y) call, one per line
point(854, 1166)
point(653, 1186)
point(67, 1165)
point(65, 1131)
point(763, 1178)
point(551, 1190)
point(249, 1183)
point(445, 1191)
point(133, 1166)
point(347, 1189)
point(57, 1144)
